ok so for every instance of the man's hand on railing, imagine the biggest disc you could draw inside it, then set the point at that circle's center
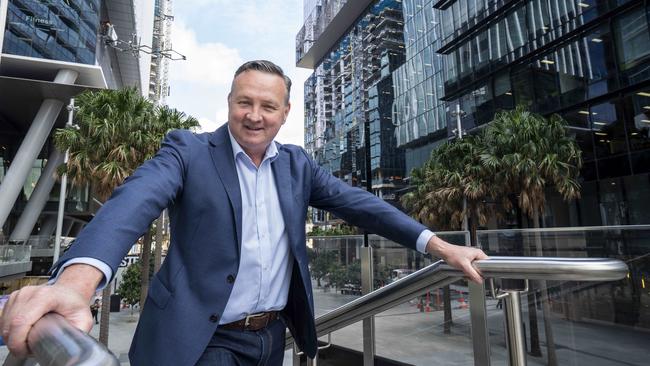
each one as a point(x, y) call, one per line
point(69, 297)
point(457, 256)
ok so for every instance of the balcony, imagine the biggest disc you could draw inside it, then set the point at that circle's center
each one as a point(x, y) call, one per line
point(14, 261)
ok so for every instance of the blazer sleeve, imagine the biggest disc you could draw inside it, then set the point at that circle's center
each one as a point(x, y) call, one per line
point(361, 208)
point(134, 205)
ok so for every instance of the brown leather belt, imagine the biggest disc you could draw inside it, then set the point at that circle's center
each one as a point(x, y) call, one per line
point(252, 322)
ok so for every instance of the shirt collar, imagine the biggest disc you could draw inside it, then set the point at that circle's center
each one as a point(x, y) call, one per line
point(271, 150)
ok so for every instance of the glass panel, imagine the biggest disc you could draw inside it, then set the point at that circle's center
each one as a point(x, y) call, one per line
point(599, 62)
point(591, 323)
point(545, 83)
point(63, 30)
point(14, 253)
point(421, 321)
point(633, 46)
point(503, 98)
point(571, 74)
point(609, 131)
point(637, 108)
point(579, 122)
point(521, 82)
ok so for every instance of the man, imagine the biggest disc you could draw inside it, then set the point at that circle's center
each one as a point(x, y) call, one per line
point(236, 274)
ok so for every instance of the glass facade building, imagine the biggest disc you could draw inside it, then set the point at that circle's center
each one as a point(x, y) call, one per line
point(348, 103)
point(51, 29)
point(588, 61)
point(418, 111)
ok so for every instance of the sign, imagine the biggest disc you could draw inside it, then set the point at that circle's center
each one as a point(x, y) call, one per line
point(129, 260)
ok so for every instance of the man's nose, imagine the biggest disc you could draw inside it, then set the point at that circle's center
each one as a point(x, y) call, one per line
point(254, 115)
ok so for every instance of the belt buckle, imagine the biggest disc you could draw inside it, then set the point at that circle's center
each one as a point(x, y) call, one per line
point(247, 320)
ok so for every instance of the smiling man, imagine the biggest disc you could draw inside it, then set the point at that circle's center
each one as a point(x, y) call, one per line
point(236, 274)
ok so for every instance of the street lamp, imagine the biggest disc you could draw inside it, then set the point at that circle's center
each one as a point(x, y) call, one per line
point(458, 131)
point(64, 182)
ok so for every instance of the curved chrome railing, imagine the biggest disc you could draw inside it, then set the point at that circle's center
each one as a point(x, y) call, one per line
point(440, 274)
point(54, 342)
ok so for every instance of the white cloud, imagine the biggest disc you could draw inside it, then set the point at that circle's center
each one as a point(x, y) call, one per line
point(217, 36)
point(207, 63)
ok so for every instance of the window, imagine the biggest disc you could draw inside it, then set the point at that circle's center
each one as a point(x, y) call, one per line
point(633, 46)
point(609, 139)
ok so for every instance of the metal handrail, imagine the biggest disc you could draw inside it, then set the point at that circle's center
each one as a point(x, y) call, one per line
point(440, 274)
point(55, 342)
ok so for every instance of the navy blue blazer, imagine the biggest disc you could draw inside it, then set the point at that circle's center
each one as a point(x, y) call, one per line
point(194, 176)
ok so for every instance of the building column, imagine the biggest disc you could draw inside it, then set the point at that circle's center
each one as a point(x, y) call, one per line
point(38, 199)
point(48, 226)
point(31, 146)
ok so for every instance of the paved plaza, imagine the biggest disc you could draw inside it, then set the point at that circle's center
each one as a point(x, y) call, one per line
point(408, 335)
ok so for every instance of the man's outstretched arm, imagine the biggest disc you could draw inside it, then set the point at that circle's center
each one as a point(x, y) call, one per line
point(69, 296)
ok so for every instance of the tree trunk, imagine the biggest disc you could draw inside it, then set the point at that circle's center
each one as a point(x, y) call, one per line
point(546, 308)
point(446, 299)
point(144, 267)
point(157, 254)
point(105, 315)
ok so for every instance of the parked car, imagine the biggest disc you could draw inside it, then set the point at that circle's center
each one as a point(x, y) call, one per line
point(351, 289)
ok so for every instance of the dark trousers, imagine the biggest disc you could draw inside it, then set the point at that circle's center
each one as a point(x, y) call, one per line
point(264, 347)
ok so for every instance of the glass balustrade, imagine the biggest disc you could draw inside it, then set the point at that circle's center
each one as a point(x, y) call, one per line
point(586, 323)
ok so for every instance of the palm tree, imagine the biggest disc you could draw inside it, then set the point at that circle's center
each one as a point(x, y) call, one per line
point(454, 173)
point(117, 131)
point(527, 153)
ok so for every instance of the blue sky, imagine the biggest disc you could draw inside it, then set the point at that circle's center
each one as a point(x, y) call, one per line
point(219, 35)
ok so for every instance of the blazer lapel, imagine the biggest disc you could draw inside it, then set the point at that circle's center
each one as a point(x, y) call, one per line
point(224, 162)
point(282, 173)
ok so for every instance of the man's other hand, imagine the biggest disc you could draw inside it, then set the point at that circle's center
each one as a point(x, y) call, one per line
point(458, 257)
point(69, 297)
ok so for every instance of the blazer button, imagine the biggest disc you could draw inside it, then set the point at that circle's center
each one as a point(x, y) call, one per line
point(230, 279)
point(214, 318)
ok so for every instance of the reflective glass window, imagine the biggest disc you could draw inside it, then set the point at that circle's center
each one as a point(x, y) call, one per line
point(62, 30)
point(637, 108)
point(571, 73)
point(545, 82)
point(633, 46)
point(517, 32)
point(503, 98)
point(607, 123)
point(599, 62)
point(521, 85)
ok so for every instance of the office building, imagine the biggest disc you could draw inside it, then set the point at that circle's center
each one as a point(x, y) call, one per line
point(353, 48)
point(161, 42)
point(588, 61)
point(51, 51)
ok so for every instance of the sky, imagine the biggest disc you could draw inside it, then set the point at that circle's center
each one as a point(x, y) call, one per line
point(217, 36)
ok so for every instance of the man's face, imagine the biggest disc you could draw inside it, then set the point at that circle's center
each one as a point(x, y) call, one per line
point(256, 110)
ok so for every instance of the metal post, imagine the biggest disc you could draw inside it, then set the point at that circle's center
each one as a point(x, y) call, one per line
point(514, 330)
point(62, 192)
point(459, 131)
point(368, 323)
point(478, 316)
point(296, 355)
point(30, 147)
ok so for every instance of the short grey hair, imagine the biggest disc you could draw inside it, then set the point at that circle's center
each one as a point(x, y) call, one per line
point(269, 68)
